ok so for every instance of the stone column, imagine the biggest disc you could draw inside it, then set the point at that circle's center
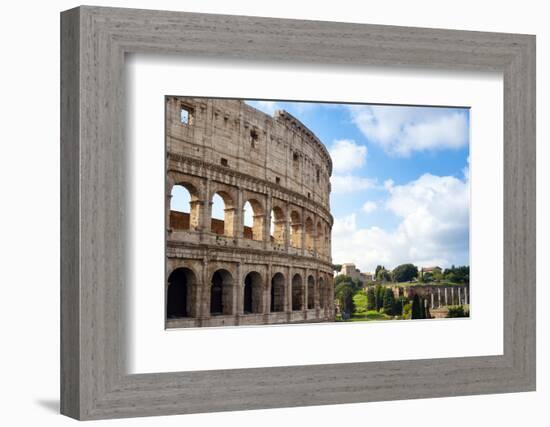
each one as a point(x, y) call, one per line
point(452, 296)
point(288, 291)
point(204, 291)
point(167, 207)
point(267, 290)
point(287, 227)
point(459, 297)
point(438, 297)
point(239, 291)
point(267, 222)
point(206, 221)
point(230, 226)
point(239, 215)
point(446, 301)
point(431, 300)
point(302, 232)
point(196, 208)
point(466, 296)
point(317, 297)
point(306, 290)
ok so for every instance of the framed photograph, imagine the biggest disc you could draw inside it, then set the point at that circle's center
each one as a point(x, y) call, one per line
point(261, 213)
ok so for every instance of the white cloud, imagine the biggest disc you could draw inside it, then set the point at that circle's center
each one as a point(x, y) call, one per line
point(369, 207)
point(347, 155)
point(403, 130)
point(350, 183)
point(268, 107)
point(434, 227)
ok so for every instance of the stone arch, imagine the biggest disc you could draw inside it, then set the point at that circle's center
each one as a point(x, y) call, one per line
point(310, 292)
point(309, 234)
point(179, 293)
point(295, 229)
point(225, 226)
point(254, 231)
point(277, 293)
point(184, 217)
point(221, 292)
point(297, 292)
point(278, 225)
point(252, 293)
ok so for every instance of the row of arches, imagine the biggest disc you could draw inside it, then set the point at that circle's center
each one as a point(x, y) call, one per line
point(296, 228)
point(182, 299)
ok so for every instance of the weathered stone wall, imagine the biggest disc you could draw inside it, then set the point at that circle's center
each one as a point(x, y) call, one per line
point(220, 272)
point(436, 295)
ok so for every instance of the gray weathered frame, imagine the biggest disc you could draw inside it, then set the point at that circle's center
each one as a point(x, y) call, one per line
point(94, 42)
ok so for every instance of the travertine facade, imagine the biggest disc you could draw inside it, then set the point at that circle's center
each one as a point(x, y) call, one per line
point(220, 272)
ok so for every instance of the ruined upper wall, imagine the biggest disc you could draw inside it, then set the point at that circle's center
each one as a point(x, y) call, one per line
point(278, 149)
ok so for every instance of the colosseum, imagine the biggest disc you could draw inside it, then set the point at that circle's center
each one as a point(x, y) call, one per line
point(220, 271)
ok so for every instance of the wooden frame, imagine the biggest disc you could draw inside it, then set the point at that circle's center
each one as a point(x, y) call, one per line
point(94, 41)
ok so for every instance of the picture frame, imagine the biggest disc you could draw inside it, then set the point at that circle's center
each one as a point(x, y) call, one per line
point(94, 238)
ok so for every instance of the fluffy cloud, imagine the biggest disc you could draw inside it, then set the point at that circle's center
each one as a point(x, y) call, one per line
point(434, 227)
point(369, 207)
point(268, 107)
point(403, 130)
point(347, 155)
point(350, 183)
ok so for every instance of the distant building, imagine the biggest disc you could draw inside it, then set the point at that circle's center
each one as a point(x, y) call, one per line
point(432, 270)
point(366, 277)
point(349, 269)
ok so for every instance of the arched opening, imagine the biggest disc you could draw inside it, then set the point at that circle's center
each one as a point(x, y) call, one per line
point(184, 207)
point(297, 293)
point(222, 214)
point(309, 234)
point(320, 239)
point(178, 296)
point(295, 230)
point(277, 229)
point(221, 293)
point(310, 292)
point(277, 293)
point(254, 219)
point(322, 293)
point(252, 293)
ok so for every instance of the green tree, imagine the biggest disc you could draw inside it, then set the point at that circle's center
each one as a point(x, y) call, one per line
point(378, 268)
point(407, 310)
point(383, 275)
point(371, 299)
point(337, 267)
point(404, 273)
point(388, 301)
point(398, 306)
point(342, 278)
point(344, 294)
point(379, 296)
point(457, 311)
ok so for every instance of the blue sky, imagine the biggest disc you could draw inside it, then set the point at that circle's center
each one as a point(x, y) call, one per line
point(400, 180)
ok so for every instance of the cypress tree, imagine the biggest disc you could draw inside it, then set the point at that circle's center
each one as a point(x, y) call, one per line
point(416, 312)
point(371, 299)
point(379, 296)
point(389, 301)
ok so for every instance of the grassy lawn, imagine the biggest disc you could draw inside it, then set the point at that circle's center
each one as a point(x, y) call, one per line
point(361, 313)
point(360, 300)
